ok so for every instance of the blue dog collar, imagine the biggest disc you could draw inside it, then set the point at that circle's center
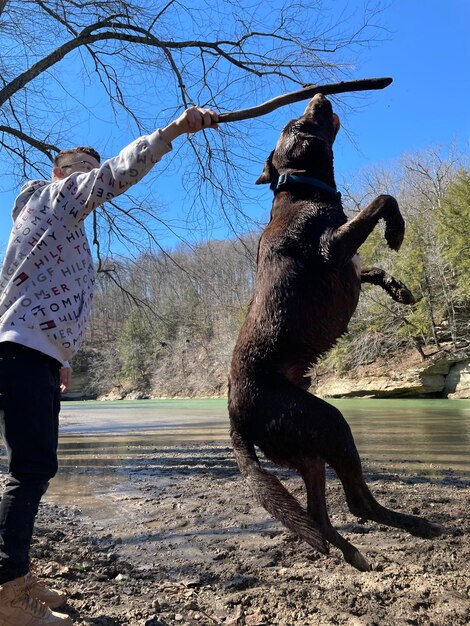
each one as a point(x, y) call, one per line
point(285, 179)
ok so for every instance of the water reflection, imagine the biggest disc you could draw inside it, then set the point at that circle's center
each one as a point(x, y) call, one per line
point(436, 433)
point(103, 444)
point(110, 434)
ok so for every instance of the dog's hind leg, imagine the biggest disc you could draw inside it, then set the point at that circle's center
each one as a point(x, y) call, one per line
point(362, 503)
point(275, 498)
point(319, 429)
point(302, 431)
point(313, 474)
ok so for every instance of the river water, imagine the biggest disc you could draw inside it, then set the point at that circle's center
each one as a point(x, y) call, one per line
point(101, 441)
point(427, 433)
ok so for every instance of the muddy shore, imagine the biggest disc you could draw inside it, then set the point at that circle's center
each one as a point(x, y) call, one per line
point(184, 543)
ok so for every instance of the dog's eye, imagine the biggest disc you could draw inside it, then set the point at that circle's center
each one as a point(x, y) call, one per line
point(302, 136)
point(297, 128)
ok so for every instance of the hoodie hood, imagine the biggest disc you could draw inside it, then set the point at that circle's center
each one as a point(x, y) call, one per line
point(27, 190)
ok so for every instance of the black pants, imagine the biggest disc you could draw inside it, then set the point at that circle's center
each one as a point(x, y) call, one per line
point(29, 420)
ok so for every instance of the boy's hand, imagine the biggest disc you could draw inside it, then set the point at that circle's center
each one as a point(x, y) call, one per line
point(195, 119)
point(191, 121)
point(65, 378)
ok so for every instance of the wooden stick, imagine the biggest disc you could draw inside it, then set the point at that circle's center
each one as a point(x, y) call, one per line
point(302, 94)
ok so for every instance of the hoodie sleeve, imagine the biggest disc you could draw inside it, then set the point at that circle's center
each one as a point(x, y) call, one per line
point(80, 193)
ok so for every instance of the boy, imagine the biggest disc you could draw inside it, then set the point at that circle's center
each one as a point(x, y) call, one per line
point(46, 291)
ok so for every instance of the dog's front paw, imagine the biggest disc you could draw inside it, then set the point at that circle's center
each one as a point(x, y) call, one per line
point(404, 296)
point(398, 291)
point(395, 231)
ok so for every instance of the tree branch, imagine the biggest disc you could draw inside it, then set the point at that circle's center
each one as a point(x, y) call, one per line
point(303, 94)
point(42, 146)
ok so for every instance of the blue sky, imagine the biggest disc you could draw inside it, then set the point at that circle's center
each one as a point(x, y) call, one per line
point(428, 56)
point(425, 50)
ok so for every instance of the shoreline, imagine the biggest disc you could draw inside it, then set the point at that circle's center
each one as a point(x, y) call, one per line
point(185, 543)
point(67, 398)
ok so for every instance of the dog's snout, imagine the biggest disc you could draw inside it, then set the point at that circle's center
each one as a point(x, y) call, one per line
point(317, 103)
point(319, 111)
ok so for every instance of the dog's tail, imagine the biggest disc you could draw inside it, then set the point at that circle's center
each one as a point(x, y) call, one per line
point(274, 497)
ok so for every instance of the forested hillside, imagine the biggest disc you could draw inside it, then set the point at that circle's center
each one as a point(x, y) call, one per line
point(165, 324)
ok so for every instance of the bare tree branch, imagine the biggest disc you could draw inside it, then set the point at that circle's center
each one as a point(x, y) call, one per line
point(42, 146)
point(302, 94)
point(61, 57)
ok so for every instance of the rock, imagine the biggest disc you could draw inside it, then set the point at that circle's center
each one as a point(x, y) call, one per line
point(441, 375)
point(154, 621)
point(457, 383)
point(137, 395)
point(255, 619)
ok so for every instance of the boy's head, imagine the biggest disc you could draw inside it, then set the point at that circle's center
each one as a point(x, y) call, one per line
point(79, 159)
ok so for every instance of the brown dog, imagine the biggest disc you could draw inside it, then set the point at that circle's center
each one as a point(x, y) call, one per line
point(307, 287)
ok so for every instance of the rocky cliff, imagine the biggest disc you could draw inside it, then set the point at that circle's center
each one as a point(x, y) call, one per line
point(442, 375)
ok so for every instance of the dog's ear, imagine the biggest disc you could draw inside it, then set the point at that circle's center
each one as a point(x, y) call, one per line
point(267, 173)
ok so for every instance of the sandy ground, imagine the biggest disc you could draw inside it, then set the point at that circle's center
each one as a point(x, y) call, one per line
point(185, 543)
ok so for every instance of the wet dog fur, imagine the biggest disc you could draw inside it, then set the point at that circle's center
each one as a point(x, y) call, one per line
point(307, 287)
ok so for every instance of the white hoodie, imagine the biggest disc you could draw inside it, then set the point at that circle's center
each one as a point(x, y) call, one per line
point(48, 275)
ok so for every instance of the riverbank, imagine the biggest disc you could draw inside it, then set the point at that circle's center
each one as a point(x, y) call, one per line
point(183, 542)
point(444, 374)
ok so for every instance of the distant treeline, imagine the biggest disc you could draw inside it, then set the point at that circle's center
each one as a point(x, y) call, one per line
point(165, 324)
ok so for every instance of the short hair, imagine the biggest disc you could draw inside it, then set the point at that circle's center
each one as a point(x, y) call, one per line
point(78, 150)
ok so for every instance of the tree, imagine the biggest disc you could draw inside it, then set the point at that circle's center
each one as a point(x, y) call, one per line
point(428, 178)
point(140, 62)
point(453, 230)
point(179, 339)
point(432, 190)
point(137, 349)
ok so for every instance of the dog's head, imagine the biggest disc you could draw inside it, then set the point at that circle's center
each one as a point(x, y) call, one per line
point(305, 145)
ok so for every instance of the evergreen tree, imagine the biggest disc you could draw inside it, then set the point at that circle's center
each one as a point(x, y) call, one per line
point(453, 231)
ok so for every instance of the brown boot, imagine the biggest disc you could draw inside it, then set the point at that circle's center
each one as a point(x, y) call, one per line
point(52, 597)
point(18, 608)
